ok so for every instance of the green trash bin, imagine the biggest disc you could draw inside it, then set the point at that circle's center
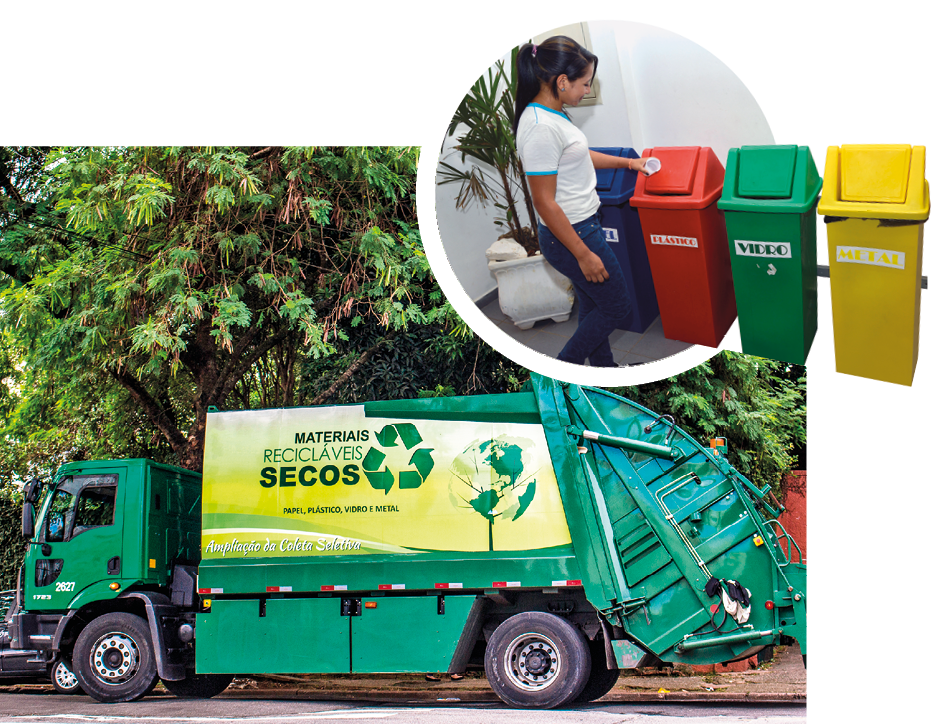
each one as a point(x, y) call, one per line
point(769, 201)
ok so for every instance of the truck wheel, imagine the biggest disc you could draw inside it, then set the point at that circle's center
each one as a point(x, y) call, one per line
point(113, 658)
point(63, 678)
point(199, 686)
point(601, 679)
point(537, 660)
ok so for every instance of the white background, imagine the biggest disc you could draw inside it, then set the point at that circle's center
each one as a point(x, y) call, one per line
point(392, 73)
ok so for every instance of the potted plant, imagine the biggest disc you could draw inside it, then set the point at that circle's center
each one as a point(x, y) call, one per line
point(496, 175)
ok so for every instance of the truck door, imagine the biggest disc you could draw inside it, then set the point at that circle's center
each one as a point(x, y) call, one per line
point(80, 539)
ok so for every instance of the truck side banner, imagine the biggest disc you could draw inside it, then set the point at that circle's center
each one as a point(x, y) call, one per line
point(330, 481)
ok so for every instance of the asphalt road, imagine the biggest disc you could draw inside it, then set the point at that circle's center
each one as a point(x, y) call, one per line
point(22, 708)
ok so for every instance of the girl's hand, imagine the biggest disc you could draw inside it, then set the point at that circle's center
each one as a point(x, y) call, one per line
point(593, 268)
point(638, 164)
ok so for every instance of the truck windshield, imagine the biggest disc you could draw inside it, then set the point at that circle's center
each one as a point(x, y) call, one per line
point(78, 503)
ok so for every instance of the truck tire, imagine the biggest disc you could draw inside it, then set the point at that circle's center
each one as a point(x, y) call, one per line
point(537, 660)
point(113, 658)
point(199, 686)
point(63, 678)
point(601, 679)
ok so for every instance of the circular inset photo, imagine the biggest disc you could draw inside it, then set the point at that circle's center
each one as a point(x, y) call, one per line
point(576, 201)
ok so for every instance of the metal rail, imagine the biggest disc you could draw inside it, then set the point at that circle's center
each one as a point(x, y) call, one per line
point(625, 443)
point(660, 498)
point(688, 643)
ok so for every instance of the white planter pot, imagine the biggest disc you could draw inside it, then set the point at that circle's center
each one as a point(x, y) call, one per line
point(530, 289)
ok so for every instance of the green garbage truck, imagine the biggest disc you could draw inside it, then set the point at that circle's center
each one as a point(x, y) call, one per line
point(553, 536)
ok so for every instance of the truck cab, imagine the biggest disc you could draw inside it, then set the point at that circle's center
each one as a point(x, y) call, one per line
point(109, 538)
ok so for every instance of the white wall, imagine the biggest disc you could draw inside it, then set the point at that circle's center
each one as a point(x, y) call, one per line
point(679, 94)
point(465, 234)
point(606, 124)
point(658, 89)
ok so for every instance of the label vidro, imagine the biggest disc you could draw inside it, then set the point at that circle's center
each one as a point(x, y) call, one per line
point(766, 249)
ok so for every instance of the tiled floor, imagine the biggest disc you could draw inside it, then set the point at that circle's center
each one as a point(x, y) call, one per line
point(550, 337)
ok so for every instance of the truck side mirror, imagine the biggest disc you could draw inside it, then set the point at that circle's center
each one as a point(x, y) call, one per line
point(29, 520)
point(31, 490)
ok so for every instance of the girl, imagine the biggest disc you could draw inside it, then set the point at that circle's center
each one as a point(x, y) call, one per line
point(560, 170)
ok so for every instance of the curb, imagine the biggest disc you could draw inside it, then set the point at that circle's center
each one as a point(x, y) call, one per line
point(474, 697)
point(452, 696)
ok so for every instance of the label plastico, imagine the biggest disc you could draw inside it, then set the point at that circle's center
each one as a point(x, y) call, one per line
point(766, 249)
point(873, 257)
point(667, 240)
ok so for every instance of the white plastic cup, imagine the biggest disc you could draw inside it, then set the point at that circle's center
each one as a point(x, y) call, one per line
point(651, 165)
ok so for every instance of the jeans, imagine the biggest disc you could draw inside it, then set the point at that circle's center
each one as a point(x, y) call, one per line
point(603, 306)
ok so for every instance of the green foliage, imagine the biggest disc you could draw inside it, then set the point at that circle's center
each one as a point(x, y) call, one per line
point(425, 361)
point(758, 404)
point(438, 391)
point(11, 541)
point(138, 286)
point(143, 285)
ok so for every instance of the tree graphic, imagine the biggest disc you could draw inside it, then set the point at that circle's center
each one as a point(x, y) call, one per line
point(489, 477)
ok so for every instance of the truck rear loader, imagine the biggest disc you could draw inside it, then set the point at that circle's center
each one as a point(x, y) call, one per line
point(554, 536)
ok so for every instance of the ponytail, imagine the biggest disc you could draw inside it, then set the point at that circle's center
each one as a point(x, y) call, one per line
point(528, 84)
point(543, 64)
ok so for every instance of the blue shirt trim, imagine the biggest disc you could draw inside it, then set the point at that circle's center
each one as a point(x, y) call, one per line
point(541, 173)
point(545, 108)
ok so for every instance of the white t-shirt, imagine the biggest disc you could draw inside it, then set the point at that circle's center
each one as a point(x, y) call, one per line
point(548, 144)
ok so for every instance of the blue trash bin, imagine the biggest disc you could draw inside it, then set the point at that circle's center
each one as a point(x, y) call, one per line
point(625, 236)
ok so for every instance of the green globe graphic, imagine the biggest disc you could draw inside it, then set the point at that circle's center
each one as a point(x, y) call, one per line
point(489, 477)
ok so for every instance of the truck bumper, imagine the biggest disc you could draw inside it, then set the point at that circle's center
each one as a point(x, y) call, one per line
point(35, 631)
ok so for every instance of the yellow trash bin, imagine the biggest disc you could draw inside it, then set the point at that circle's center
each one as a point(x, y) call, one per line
point(875, 203)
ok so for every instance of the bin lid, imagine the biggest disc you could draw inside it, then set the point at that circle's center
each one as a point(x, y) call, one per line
point(677, 176)
point(604, 178)
point(766, 171)
point(874, 173)
point(875, 181)
point(691, 177)
point(770, 179)
point(615, 185)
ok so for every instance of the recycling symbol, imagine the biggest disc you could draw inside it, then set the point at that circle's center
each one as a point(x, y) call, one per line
point(421, 459)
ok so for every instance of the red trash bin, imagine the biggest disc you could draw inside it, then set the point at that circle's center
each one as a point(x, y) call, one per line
point(687, 243)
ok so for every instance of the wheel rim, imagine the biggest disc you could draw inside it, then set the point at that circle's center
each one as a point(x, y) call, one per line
point(64, 677)
point(533, 662)
point(115, 658)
